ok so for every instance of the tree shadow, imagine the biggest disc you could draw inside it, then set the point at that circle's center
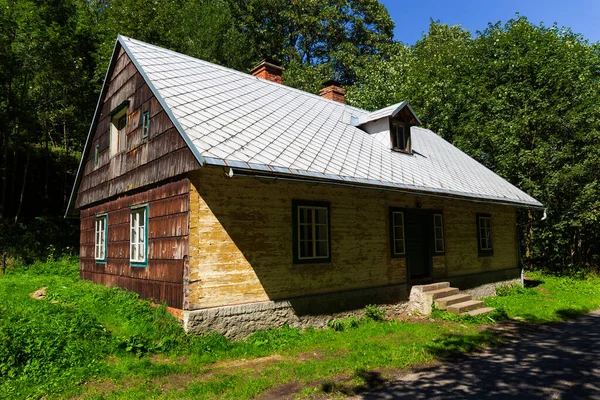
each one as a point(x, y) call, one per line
point(558, 360)
point(531, 283)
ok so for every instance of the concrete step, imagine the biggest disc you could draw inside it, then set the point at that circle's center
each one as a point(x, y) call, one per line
point(478, 311)
point(465, 306)
point(444, 302)
point(434, 286)
point(439, 293)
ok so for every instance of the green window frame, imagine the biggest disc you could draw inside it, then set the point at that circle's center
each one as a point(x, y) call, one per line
point(397, 233)
point(484, 235)
point(311, 232)
point(145, 124)
point(100, 238)
point(96, 155)
point(138, 235)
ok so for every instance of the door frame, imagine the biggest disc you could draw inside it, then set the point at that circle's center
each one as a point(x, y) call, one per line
point(430, 245)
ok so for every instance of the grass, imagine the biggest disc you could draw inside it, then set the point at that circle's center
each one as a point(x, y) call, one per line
point(98, 343)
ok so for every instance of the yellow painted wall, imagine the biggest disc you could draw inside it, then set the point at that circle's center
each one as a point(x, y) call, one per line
point(241, 239)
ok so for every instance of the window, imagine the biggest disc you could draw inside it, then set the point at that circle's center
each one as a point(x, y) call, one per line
point(118, 123)
point(100, 236)
point(397, 232)
point(96, 154)
point(138, 236)
point(145, 124)
point(400, 136)
point(484, 234)
point(311, 232)
point(438, 233)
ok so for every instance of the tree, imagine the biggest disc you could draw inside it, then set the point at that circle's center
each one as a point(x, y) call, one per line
point(316, 40)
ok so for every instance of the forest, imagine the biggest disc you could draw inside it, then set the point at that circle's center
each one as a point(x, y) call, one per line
point(522, 99)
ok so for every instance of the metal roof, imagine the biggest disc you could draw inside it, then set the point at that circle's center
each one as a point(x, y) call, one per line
point(230, 118)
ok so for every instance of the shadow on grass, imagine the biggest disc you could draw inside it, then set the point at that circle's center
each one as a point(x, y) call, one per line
point(552, 360)
point(371, 380)
point(531, 283)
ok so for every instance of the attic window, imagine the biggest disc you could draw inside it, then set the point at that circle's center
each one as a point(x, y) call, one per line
point(400, 136)
point(118, 123)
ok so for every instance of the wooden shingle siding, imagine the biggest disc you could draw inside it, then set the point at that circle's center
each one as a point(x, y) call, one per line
point(144, 162)
point(241, 239)
point(168, 231)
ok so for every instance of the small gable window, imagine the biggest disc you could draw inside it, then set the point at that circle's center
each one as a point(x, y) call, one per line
point(96, 154)
point(484, 234)
point(118, 123)
point(145, 124)
point(400, 136)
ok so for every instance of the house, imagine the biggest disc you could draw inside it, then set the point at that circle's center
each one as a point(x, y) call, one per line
point(245, 203)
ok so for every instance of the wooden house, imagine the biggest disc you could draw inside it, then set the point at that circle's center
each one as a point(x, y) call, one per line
point(245, 203)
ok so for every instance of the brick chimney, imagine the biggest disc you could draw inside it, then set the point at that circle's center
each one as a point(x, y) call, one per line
point(268, 69)
point(333, 91)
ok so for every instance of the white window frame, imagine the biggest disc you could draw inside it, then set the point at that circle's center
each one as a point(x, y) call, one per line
point(436, 217)
point(484, 224)
point(313, 225)
point(138, 235)
point(100, 237)
point(395, 252)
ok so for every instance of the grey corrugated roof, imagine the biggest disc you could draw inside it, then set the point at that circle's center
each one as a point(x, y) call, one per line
point(232, 118)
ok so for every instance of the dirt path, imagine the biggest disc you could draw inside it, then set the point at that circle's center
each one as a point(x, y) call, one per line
point(554, 361)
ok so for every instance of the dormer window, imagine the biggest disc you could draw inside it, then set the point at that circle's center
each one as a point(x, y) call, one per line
point(400, 136)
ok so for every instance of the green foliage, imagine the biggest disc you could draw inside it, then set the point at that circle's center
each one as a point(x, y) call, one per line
point(509, 290)
point(374, 313)
point(336, 324)
point(521, 99)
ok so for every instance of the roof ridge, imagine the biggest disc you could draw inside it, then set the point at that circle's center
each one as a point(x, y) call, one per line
point(245, 74)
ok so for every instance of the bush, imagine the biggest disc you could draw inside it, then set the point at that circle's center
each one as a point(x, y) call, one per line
point(336, 324)
point(374, 313)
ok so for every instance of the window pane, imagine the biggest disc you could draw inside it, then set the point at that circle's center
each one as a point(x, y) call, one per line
point(133, 251)
point(438, 232)
point(321, 216)
point(398, 219)
point(321, 248)
point(305, 249)
point(439, 245)
point(305, 232)
point(321, 232)
point(399, 247)
point(398, 233)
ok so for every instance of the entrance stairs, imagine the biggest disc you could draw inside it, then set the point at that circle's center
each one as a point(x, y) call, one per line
point(445, 298)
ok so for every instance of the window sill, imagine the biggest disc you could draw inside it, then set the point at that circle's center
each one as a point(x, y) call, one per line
point(138, 264)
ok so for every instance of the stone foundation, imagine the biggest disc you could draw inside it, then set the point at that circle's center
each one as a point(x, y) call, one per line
point(242, 320)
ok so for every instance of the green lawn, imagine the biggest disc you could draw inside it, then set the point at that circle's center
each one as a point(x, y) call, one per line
point(93, 342)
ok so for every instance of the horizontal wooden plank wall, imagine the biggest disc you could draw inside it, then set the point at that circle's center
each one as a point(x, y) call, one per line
point(168, 232)
point(162, 156)
point(241, 239)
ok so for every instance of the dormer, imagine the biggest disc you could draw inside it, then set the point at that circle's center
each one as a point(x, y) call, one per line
point(392, 126)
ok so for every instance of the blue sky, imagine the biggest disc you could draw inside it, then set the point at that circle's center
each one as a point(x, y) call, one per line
point(412, 17)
